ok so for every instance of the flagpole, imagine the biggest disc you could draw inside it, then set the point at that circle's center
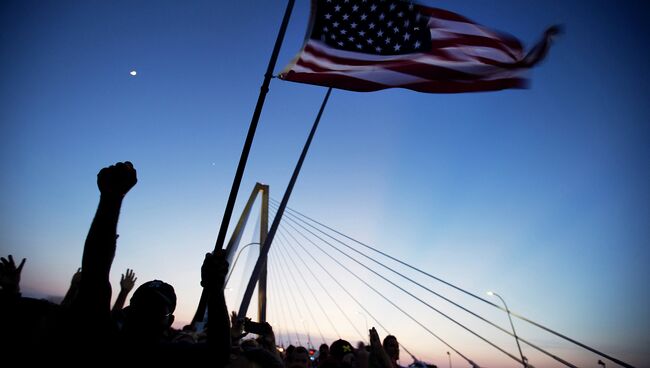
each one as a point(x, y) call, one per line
point(261, 261)
point(198, 316)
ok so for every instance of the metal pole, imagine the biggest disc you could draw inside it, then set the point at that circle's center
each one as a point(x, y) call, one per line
point(234, 189)
point(523, 359)
point(449, 355)
point(261, 261)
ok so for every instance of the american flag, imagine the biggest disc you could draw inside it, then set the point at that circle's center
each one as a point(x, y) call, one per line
point(369, 45)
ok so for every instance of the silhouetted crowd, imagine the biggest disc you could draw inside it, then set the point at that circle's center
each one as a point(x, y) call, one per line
point(84, 330)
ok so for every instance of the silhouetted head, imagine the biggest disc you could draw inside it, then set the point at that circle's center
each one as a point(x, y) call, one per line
point(299, 358)
point(323, 352)
point(391, 347)
point(151, 309)
point(342, 352)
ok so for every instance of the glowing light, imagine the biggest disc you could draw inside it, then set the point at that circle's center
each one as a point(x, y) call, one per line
point(133, 73)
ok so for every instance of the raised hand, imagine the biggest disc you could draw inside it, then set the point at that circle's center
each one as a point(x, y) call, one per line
point(127, 281)
point(76, 278)
point(10, 274)
point(378, 357)
point(214, 270)
point(117, 179)
point(236, 328)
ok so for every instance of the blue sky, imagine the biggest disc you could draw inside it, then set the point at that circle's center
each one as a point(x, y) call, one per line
point(540, 194)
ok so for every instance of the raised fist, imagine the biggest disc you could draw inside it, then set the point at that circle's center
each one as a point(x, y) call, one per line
point(117, 179)
point(214, 270)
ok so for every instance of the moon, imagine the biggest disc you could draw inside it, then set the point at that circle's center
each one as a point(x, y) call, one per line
point(133, 73)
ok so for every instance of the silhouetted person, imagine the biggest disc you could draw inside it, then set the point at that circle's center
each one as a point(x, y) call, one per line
point(299, 358)
point(25, 323)
point(341, 355)
point(141, 334)
point(391, 346)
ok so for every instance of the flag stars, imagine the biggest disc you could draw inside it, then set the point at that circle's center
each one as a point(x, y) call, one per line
point(378, 49)
point(392, 6)
point(355, 8)
point(373, 7)
point(416, 45)
point(333, 36)
point(400, 14)
point(359, 46)
point(328, 16)
point(325, 29)
point(396, 29)
point(370, 41)
point(397, 47)
point(362, 33)
point(337, 8)
point(407, 36)
point(390, 23)
point(406, 23)
point(345, 17)
point(343, 31)
point(340, 43)
point(364, 16)
point(382, 16)
point(351, 38)
point(380, 33)
point(387, 40)
point(335, 24)
point(353, 25)
point(371, 26)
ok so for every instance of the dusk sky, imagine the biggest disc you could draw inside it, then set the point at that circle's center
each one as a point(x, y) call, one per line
point(540, 194)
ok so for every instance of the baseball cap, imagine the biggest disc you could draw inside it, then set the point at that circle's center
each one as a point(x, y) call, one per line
point(155, 291)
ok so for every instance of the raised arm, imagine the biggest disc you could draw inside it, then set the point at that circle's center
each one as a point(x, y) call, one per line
point(73, 290)
point(127, 281)
point(378, 357)
point(10, 277)
point(93, 301)
point(213, 277)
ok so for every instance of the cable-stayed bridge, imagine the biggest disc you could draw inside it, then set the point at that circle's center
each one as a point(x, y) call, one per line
point(320, 284)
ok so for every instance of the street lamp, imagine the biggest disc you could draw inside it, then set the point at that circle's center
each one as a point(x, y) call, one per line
point(449, 355)
point(523, 359)
point(232, 267)
point(600, 362)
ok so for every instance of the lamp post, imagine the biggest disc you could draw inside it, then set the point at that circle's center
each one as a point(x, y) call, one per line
point(523, 359)
point(232, 267)
point(449, 355)
point(600, 362)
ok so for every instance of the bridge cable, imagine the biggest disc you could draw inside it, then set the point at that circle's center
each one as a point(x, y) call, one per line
point(312, 292)
point(425, 288)
point(302, 296)
point(282, 304)
point(281, 230)
point(286, 291)
point(281, 315)
point(328, 294)
point(388, 300)
point(539, 325)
